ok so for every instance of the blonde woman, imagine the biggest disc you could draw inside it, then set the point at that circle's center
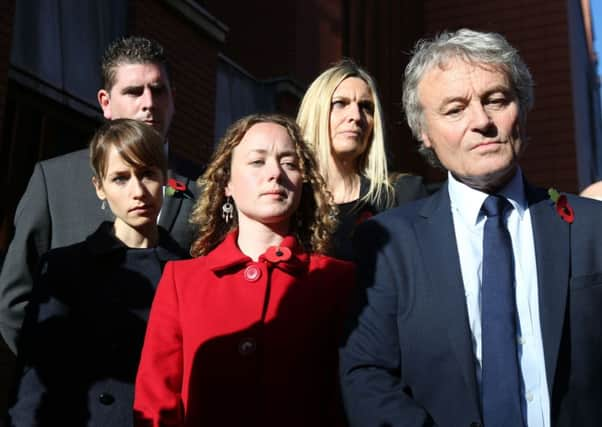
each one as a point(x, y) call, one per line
point(341, 118)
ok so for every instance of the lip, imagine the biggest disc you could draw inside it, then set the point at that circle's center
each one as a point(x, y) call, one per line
point(485, 144)
point(275, 193)
point(141, 209)
point(355, 133)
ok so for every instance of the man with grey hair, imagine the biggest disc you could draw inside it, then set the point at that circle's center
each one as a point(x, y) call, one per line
point(480, 305)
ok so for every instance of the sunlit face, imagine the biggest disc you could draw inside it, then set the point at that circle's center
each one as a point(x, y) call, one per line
point(134, 195)
point(141, 92)
point(471, 120)
point(265, 180)
point(351, 119)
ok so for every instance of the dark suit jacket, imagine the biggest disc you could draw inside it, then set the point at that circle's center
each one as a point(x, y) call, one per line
point(60, 208)
point(408, 358)
point(84, 330)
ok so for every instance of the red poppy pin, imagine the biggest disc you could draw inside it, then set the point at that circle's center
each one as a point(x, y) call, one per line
point(565, 211)
point(177, 188)
point(363, 216)
point(276, 254)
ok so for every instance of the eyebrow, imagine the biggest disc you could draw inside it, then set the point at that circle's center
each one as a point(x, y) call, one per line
point(282, 154)
point(500, 88)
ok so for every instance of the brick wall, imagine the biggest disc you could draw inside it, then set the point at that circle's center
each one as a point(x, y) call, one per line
point(192, 55)
point(538, 28)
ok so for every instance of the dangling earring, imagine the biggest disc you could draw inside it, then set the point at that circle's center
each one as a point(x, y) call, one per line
point(103, 205)
point(227, 210)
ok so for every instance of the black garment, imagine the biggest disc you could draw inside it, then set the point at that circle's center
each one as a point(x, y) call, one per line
point(351, 214)
point(84, 331)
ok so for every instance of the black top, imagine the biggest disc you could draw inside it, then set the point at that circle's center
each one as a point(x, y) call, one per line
point(84, 331)
point(351, 214)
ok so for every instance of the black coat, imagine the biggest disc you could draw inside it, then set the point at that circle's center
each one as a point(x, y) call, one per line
point(407, 188)
point(84, 331)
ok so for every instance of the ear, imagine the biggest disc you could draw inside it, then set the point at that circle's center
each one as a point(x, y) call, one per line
point(98, 187)
point(104, 100)
point(228, 191)
point(426, 140)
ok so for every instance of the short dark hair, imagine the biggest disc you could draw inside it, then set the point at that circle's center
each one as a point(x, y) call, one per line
point(138, 144)
point(130, 50)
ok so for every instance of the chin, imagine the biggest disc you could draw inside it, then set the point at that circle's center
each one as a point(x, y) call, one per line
point(488, 180)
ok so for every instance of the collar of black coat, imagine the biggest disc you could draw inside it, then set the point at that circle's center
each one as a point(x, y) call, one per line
point(103, 242)
point(228, 257)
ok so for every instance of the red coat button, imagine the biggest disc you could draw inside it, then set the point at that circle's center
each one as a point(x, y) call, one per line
point(252, 273)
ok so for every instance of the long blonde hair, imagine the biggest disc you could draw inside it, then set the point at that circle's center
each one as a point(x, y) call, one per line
point(314, 221)
point(314, 120)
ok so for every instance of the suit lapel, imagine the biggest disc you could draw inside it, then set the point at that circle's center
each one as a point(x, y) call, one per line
point(171, 204)
point(552, 251)
point(438, 242)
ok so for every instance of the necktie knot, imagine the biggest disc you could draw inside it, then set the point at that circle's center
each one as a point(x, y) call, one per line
point(495, 206)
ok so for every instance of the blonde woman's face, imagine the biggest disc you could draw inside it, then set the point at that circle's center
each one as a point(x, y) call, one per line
point(351, 119)
point(266, 180)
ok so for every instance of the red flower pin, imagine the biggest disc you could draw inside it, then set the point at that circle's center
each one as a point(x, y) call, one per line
point(363, 216)
point(276, 254)
point(176, 188)
point(564, 209)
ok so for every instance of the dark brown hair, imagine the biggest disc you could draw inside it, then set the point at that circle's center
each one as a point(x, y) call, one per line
point(130, 50)
point(137, 143)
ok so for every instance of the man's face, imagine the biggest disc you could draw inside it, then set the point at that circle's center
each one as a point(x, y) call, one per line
point(141, 92)
point(471, 120)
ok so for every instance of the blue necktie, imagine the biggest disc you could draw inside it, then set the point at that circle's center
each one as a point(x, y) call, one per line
point(500, 380)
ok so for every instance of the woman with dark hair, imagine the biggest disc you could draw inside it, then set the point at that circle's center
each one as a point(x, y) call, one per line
point(85, 324)
point(246, 333)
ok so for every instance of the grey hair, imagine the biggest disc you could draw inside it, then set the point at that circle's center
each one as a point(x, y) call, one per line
point(473, 47)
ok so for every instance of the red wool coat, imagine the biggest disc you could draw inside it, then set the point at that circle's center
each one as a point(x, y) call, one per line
point(235, 342)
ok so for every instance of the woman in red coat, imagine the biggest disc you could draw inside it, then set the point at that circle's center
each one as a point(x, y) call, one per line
point(246, 333)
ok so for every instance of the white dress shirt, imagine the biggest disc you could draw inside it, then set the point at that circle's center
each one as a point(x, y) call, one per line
point(468, 225)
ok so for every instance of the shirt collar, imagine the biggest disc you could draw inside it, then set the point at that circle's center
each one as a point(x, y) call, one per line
point(467, 201)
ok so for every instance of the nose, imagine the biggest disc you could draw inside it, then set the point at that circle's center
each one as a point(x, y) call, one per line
point(137, 188)
point(481, 120)
point(354, 112)
point(147, 99)
point(274, 170)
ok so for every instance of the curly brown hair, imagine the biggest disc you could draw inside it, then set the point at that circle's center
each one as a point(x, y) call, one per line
point(314, 221)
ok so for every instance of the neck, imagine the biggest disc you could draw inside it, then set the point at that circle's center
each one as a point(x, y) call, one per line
point(144, 237)
point(343, 181)
point(254, 238)
point(490, 183)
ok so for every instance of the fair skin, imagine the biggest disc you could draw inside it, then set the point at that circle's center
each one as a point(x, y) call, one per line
point(351, 124)
point(471, 121)
point(141, 92)
point(134, 195)
point(265, 184)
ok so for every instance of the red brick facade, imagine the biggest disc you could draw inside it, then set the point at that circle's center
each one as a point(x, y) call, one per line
point(192, 55)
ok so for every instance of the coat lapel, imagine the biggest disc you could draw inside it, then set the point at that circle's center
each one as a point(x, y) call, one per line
point(438, 242)
point(552, 252)
point(172, 204)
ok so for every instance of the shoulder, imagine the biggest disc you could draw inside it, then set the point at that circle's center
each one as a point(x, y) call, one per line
point(320, 261)
point(73, 158)
point(183, 269)
point(408, 187)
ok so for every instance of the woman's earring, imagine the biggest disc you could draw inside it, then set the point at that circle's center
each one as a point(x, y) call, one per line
point(103, 205)
point(227, 210)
